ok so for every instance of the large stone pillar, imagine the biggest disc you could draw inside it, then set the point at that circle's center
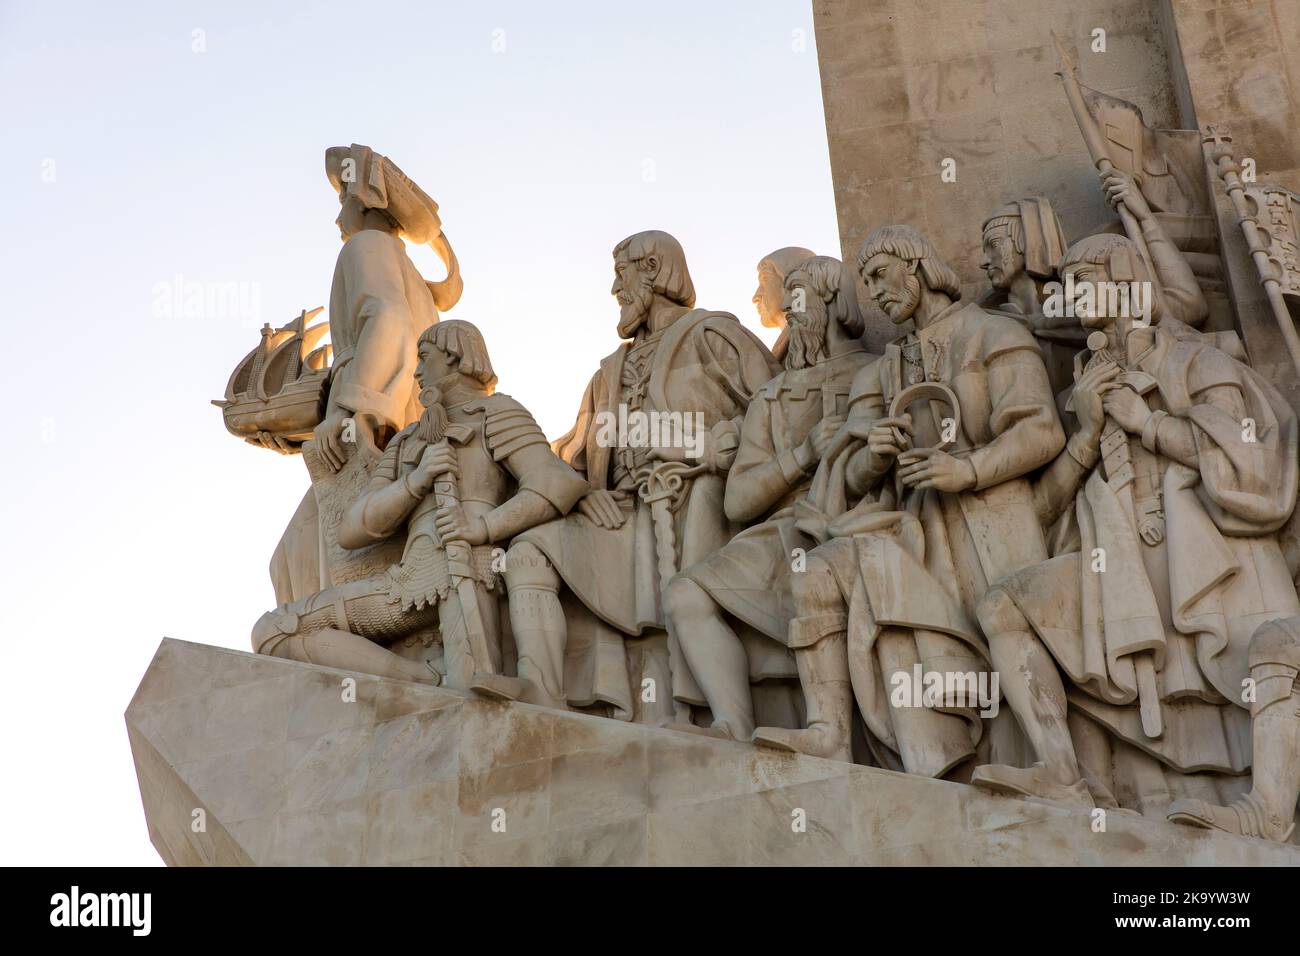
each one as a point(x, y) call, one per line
point(909, 83)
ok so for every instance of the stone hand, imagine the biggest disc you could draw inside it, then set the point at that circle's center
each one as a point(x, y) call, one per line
point(339, 429)
point(1088, 391)
point(822, 437)
point(932, 468)
point(599, 506)
point(329, 439)
point(438, 459)
point(264, 439)
point(454, 525)
point(1120, 187)
point(721, 443)
point(1127, 408)
point(882, 444)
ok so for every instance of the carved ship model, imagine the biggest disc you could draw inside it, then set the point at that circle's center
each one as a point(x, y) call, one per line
point(276, 395)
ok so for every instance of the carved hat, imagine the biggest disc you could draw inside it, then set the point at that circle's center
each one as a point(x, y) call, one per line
point(1036, 232)
point(1119, 254)
point(379, 184)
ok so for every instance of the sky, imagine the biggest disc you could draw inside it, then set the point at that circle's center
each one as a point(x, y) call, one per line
point(159, 148)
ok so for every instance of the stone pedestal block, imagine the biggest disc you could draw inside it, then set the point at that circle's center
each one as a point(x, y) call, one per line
point(254, 760)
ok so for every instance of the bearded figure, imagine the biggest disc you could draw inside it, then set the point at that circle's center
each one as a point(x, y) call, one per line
point(942, 432)
point(770, 295)
point(585, 592)
point(742, 591)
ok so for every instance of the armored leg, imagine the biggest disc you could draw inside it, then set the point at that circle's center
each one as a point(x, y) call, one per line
point(539, 628)
point(818, 637)
point(339, 627)
point(1268, 810)
point(714, 654)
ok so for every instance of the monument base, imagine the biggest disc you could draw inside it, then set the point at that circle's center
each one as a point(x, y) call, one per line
point(244, 759)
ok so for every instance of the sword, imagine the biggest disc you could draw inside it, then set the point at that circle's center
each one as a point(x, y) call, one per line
point(460, 558)
point(1144, 667)
point(661, 488)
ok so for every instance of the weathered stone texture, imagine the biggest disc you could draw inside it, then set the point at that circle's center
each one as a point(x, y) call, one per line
point(289, 773)
point(909, 83)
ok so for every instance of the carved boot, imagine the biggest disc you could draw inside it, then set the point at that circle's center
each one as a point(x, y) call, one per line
point(499, 686)
point(821, 653)
point(540, 632)
point(1030, 782)
point(1268, 810)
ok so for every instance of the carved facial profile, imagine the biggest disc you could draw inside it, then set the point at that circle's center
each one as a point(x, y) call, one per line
point(893, 283)
point(772, 271)
point(645, 265)
point(816, 293)
point(1003, 257)
point(634, 290)
point(767, 297)
point(806, 317)
point(1021, 237)
point(1104, 277)
point(898, 263)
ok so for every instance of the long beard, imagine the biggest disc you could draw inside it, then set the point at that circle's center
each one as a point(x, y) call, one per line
point(640, 294)
point(807, 340)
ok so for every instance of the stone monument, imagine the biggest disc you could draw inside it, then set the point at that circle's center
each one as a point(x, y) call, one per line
point(960, 573)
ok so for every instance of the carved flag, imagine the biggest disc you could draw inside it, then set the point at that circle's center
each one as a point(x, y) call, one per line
point(1168, 164)
point(1277, 216)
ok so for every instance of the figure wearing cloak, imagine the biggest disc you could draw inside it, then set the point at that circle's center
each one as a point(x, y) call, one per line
point(698, 368)
point(379, 305)
point(910, 562)
point(789, 423)
point(1183, 469)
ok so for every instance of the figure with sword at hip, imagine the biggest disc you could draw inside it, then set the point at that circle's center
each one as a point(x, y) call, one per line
point(1180, 473)
point(473, 471)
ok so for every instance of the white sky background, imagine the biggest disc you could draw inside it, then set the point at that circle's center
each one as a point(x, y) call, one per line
point(130, 514)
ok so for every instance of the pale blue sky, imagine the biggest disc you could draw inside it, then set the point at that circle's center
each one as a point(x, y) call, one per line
point(131, 513)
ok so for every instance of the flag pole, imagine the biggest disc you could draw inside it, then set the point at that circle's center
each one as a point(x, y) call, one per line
point(1228, 170)
point(1096, 143)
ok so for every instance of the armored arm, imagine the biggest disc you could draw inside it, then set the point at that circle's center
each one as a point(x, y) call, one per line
point(548, 486)
point(385, 504)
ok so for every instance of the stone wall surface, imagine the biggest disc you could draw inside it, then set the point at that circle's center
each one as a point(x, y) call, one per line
point(1235, 68)
point(289, 772)
point(909, 83)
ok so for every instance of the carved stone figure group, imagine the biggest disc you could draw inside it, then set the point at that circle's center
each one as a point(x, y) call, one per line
point(858, 556)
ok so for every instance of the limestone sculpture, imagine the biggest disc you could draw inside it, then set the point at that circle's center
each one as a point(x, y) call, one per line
point(685, 376)
point(770, 294)
point(787, 549)
point(378, 306)
point(942, 507)
point(1182, 468)
point(788, 427)
point(473, 470)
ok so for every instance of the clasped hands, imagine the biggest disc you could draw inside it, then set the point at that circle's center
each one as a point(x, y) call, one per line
point(1097, 394)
